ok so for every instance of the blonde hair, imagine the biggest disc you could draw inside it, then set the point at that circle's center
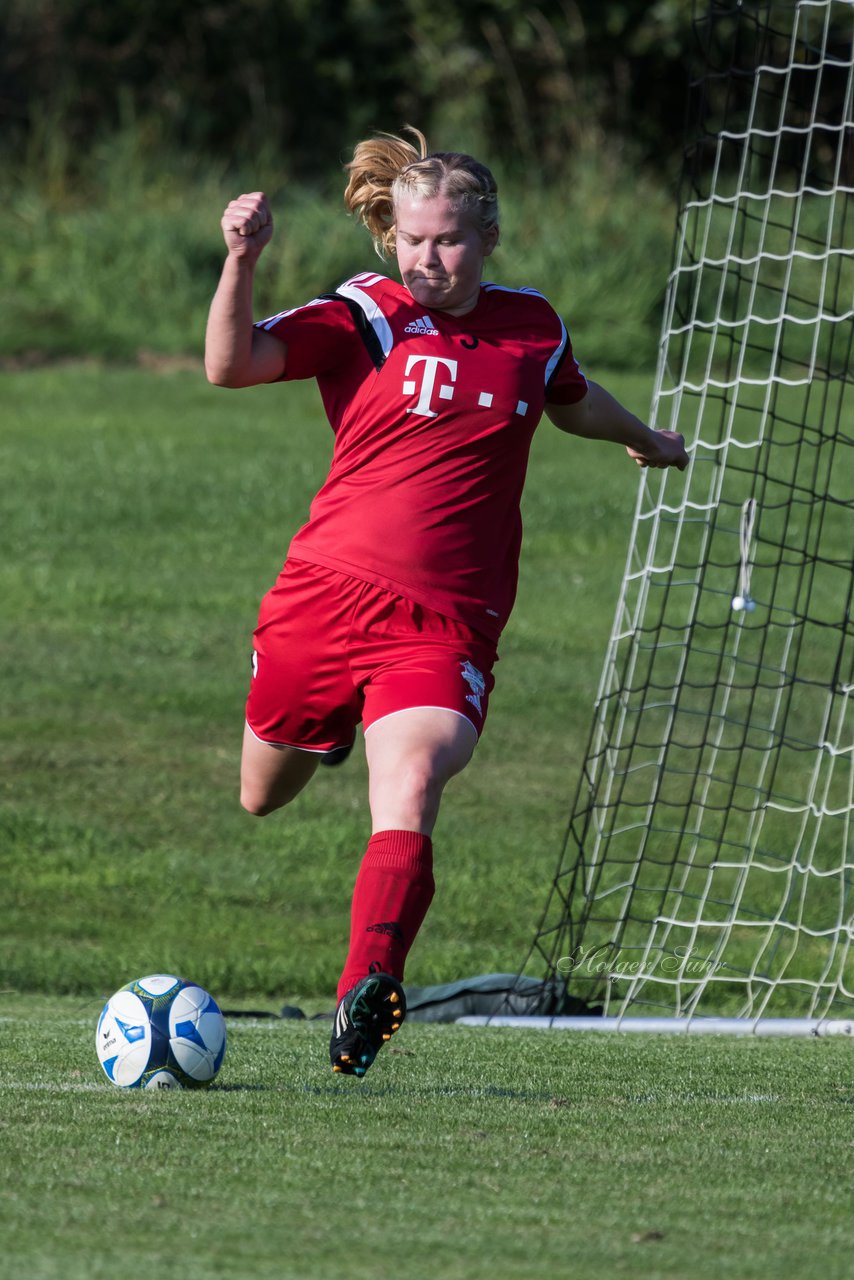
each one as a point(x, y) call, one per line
point(386, 167)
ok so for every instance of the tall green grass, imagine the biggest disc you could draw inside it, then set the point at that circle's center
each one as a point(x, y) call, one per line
point(119, 251)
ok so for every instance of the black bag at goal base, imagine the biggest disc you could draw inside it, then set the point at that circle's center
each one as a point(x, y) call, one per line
point(494, 994)
point(485, 995)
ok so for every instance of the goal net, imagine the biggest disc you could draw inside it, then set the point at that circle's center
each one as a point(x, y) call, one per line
point(707, 866)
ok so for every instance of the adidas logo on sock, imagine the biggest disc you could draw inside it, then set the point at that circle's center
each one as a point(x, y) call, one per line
point(423, 326)
point(390, 928)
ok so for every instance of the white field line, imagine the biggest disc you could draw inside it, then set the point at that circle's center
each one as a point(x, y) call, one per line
point(649, 1099)
point(56, 1086)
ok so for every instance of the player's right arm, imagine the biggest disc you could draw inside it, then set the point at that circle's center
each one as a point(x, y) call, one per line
point(236, 353)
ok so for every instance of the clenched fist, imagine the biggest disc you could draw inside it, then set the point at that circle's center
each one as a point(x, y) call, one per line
point(665, 449)
point(247, 225)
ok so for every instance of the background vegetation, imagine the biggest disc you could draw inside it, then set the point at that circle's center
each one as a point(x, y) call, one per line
point(118, 252)
point(126, 127)
point(526, 82)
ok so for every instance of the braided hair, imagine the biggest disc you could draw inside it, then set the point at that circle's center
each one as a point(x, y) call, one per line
point(387, 168)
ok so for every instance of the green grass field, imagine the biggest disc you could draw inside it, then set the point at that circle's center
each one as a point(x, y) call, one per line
point(146, 517)
point(465, 1155)
point(143, 515)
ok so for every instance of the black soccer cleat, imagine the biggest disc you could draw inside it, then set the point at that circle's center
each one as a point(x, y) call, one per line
point(336, 756)
point(367, 1016)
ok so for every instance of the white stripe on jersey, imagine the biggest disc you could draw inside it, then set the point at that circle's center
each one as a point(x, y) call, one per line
point(504, 288)
point(557, 354)
point(268, 324)
point(371, 308)
point(366, 278)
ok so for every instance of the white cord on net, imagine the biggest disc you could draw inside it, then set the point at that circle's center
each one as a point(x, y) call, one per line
point(743, 602)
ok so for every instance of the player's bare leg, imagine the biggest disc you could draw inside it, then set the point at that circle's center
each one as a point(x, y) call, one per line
point(411, 756)
point(272, 776)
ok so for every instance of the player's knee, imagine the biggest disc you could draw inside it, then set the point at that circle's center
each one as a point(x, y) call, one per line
point(417, 787)
point(256, 807)
point(258, 803)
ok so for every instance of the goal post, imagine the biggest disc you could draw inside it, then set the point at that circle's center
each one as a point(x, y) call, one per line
point(707, 866)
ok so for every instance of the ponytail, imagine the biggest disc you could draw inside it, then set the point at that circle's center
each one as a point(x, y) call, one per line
point(375, 166)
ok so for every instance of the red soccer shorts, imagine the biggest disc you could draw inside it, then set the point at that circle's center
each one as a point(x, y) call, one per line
point(331, 650)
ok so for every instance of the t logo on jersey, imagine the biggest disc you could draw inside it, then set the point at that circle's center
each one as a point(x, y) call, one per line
point(428, 383)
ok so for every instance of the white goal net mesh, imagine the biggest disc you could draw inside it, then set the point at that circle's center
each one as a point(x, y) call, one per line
point(708, 860)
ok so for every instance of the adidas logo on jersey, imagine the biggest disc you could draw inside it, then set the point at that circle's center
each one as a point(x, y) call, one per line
point(423, 326)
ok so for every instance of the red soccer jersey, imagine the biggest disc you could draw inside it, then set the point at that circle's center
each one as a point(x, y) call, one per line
point(433, 417)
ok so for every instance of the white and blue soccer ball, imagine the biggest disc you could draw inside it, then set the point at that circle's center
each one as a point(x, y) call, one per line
point(161, 1032)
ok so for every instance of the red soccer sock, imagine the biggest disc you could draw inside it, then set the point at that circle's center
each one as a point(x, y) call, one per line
point(393, 890)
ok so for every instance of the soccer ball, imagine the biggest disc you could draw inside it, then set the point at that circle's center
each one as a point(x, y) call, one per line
point(161, 1032)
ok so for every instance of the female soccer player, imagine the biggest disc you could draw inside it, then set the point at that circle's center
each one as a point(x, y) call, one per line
point(394, 593)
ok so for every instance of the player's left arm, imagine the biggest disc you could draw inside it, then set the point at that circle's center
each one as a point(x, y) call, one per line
point(600, 417)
